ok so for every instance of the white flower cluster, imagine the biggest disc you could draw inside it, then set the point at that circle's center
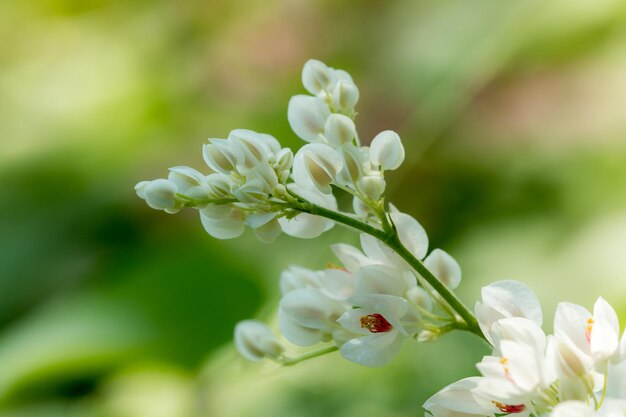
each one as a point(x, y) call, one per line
point(368, 306)
point(252, 180)
point(580, 371)
point(333, 154)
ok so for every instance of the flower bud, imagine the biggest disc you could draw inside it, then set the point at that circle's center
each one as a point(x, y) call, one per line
point(339, 130)
point(255, 147)
point(185, 178)
point(284, 159)
point(316, 76)
point(251, 192)
point(372, 186)
point(219, 156)
point(444, 267)
point(419, 297)
point(316, 164)
point(159, 194)
point(345, 96)
point(427, 336)
point(307, 116)
point(223, 221)
point(352, 165)
point(387, 151)
point(254, 340)
point(220, 185)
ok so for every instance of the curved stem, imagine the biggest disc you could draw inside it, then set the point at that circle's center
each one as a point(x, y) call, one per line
point(391, 239)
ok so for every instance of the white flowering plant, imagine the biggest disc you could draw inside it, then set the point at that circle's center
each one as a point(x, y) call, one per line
point(391, 289)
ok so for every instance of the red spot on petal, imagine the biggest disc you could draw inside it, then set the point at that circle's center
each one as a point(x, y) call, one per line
point(508, 408)
point(375, 323)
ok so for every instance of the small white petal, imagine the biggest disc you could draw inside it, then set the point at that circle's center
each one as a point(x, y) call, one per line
point(374, 351)
point(372, 186)
point(316, 76)
point(411, 234)
point(339, 130)
point(297, 277)
point(307, 116)
point(223, 222)
point(318, 164)
point(307, 226)
point(387, 151)
point(380, 279)
point(296, 334)
point(351, 258)
point(444, 267)
point(345, 95)
point(268, 232)
point(185, 178)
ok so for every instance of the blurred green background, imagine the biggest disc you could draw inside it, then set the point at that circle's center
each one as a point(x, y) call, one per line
point(513, 114)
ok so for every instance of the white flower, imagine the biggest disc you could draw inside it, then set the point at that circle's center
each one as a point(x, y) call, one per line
point(411, 233)
point(504, 299)
point(596, 336)
point(316, 164)
point(382, 323)
point(254, 340)
point(387, 151)
point(383, 279)
point(307, 117)
point(372, 186)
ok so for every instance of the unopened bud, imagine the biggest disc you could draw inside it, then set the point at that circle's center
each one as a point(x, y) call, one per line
point(339, 130)
point(372, 186)
point(316, 76)
point(254, 340)
point(387, 151)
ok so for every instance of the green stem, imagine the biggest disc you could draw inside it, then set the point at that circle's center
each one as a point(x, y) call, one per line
point(292, 361)
point(391, 239)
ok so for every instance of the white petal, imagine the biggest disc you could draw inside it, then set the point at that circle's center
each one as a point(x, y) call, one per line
point(602, 311)
point(345, 96)
point(185, 178)
point(296, 334)
point(573, 409)
point(307, 116)
point(411, 234)
point(444, 267)
point(297, 277)
point(268, 232)
point(387, 151)
point(457, 400)
point(351, 258)
point(339, 130)
point(374, 351)
point(309, 307)
point(513, 299)
point(337, 283)
point(570, 322)
point(307, 226)
point(380, 279)
point(316, 76)
point(316, 163)
point(223, 222)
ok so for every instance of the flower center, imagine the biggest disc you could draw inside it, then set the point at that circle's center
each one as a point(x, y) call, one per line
point(506, 408)
point(589, 328)
point(375, 323)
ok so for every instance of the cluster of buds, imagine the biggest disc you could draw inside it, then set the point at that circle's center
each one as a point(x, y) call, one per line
point(253, 181)
point(370, 304)
point(577, 372)
point(334, 155)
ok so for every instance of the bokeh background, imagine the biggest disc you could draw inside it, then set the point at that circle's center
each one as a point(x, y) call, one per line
point(513, 114)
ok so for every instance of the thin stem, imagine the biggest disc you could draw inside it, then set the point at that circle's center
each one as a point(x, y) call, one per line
point(604, 387)
point(391, 239)
point(292, 361)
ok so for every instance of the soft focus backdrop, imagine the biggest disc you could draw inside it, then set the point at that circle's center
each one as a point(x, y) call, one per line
point(513, 114)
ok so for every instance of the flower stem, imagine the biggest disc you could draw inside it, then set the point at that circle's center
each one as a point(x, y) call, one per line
point(391, 239)
point(292, 361)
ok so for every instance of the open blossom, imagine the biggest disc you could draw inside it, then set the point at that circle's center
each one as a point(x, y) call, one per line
point(531, 374)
